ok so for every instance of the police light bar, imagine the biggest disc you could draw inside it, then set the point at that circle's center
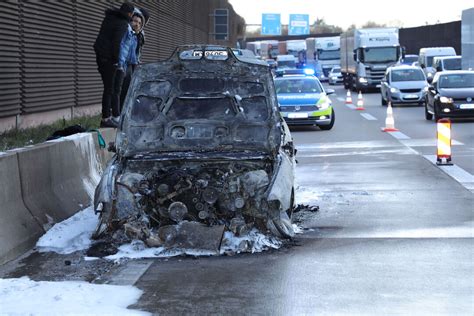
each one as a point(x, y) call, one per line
point(284, 72)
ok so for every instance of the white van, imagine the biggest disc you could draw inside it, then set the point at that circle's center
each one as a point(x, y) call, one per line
point(443, 63)
point(286, 61)
point(426, 55)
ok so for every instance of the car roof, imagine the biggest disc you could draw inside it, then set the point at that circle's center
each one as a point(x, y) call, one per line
point(294, 77)
point(447, 57)
point(453, 72)
point(401, 67)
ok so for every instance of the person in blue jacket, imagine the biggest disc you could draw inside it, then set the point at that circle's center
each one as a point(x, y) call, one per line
point(127, 57)
point(139, 20)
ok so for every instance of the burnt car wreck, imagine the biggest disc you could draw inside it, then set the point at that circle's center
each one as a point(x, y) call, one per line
point(201, 149)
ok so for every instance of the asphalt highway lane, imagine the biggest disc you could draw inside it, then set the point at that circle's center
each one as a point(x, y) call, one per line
point(393, 235)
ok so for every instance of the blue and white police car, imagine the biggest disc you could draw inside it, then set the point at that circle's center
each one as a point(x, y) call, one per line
point(303, 100)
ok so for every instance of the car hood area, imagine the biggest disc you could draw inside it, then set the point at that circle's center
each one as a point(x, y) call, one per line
point(457, 93)
point(409, 84)
point(288, 99)
point(179, 106)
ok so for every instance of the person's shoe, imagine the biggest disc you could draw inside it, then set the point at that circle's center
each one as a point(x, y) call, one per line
point(108, 122)
point(116, 119)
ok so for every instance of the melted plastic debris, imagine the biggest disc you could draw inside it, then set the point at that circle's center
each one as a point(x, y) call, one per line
point(26, 297)
point(137, 250)
point(303, 213)
point(70, 235)
point(253, 242)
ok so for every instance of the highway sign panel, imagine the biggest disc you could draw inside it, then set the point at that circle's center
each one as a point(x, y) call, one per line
point(271, 24)
point(299, 24)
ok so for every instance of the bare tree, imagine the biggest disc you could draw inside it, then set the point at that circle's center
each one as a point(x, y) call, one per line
point(320, 26)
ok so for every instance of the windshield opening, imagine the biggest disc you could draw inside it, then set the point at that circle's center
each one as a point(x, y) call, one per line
point(297, 86)
point(457, 81)
point(452, 64)
point(202, 108)
point(407, 75)
point(379, 54)
point(329, 54)
point(429, 61)
point(255, 108)
point(409, 60)
point(145, 109)
point(286, 64)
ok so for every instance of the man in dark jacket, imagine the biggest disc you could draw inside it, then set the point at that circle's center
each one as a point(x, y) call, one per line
point(107, 49)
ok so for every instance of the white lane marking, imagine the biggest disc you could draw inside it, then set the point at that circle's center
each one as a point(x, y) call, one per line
point(341, 99)
point(399, 135)
point(457, 173)
point(351, 106)
point(130, 273)
point(337, 145)
point(399, 151)
point(369, 117)
point(427, 142)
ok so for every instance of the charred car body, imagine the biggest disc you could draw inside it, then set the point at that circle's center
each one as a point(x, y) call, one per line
point(201, 145)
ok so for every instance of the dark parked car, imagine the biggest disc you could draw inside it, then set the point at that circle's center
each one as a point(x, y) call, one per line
point(403, 85)
point(201, 146)
point(451, 94)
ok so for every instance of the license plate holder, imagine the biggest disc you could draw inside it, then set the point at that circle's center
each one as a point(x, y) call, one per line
point(466, 106)
point(294, 115)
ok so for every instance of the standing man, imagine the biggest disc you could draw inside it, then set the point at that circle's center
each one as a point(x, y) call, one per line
point(107, 50)
point(139, 19)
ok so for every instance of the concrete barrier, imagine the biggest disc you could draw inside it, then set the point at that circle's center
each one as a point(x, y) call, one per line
point(19, 231)
point(58, 178)
point(75, 172)
point(45, 184)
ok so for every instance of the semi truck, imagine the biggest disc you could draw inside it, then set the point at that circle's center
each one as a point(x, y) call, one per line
point(366, 54)
point(254, 47)
point(269, 49)
point(328, 52)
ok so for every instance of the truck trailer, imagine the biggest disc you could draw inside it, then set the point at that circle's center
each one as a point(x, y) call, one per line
point(467, 39)
point(366, 54)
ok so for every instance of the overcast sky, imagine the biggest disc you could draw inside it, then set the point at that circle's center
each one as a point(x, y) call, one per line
point(406, 13)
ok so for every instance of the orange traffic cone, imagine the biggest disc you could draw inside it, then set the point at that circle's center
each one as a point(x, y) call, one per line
point(389, 121)
point(360, 102)
point(348, 97)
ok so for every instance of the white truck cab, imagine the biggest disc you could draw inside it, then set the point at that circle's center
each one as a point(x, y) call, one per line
point(286, 61)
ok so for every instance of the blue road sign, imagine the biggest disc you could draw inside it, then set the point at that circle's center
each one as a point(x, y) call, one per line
point(271, 24)
point(299, 24)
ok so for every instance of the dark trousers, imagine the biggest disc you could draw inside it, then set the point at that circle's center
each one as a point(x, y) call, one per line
point(107, 72)
point(117, 89)
point(125, 85)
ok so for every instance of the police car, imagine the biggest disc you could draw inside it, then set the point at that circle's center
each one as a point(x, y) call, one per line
point(303, 100)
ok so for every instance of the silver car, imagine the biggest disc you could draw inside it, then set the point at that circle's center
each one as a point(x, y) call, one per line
point(403, 85)
point(335, 75)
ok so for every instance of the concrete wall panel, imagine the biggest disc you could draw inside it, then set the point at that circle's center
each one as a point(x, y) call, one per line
point(19, 231)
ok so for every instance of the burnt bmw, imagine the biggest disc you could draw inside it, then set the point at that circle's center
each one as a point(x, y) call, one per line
point(201, 149)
